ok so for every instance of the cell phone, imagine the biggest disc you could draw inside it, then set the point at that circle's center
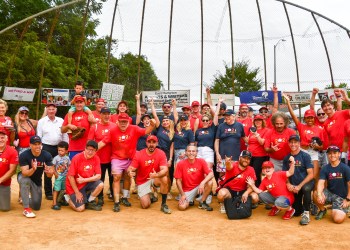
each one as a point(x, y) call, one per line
point(253, 129)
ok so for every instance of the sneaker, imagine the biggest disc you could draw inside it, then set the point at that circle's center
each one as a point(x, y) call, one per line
point(205, 206)
point(199, 198)
point(313, 208)
point(321, 214)
point(125, 202)
point(100, 202)
point(274, 211)
point(169, 196)
point(255, 205)
point(191, 203)
point(66, 197)
point(222, 209)
point(209, 199)
point(92, 205)
point(165, 209)
point(268, 207)
point(288, 214)
point(116, 207)
point(56, 207)
point(27, 212)
point(49, 197)
point(305, 219)
point(153, 198)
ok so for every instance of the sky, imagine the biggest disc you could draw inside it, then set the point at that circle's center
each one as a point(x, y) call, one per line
point(185, 72)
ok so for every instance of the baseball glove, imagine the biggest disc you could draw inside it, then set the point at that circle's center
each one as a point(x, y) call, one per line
point(78, 133)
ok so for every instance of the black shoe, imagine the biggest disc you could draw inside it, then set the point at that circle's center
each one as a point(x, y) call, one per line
point(116, 207)
point(55, 207)
point(255, 205)
point(100, 202)
point(153, 198)
point(205, 206)
point(313, 209)
point(49, 197)
point(63, 203)
point(268, 207)
point(191, 203)
point(93, 206)
point(125, 202)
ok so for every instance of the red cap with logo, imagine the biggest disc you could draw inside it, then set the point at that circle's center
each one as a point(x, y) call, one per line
point(100, 100)
point(195, 103)
point(243, 105)
point(267, 164)
point(123, 116)
point(152, 138)
point(309, 113)
point(79, 98)
point(3, 131)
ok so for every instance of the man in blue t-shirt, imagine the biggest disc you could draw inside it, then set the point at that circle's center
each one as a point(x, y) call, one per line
point(337, 193)
point(301, 182)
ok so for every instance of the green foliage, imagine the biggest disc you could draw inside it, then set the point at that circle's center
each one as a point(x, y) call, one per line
point(245, 79)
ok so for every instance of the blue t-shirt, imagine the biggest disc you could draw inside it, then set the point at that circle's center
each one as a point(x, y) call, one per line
point(171, 117)
point(337, 178)
point(205, 137)
point(26, 159)
point(302, 164)
point(61, 165)
point(164, 141)
point(183, 138)
point(230, 136)
point(141, 142)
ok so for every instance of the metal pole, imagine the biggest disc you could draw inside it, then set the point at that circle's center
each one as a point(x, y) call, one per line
point(202, 46)
point(110, 41)
point(141, 33)
point(232, 54)
point(170, 33)
point(263, 42)
point(274, 60)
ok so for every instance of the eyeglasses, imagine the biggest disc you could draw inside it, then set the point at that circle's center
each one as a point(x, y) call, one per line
point(321, 114)
point(264, 112)
point(205, 120)
point(23, 113)
point(167, 107)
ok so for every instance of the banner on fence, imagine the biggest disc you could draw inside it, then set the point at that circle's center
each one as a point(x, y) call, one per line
point(63, 97)
point(304, 97)
point(19, 94)
point(259, 97)
point(182, 97)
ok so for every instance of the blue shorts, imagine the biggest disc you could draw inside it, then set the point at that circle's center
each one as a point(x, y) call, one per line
point(88, 188)
point(60, 183)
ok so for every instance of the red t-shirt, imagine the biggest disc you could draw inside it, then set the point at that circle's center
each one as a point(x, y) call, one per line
point(239, 183)
point(277, 185)
point(114, 119)
point(24, 137)
point(6, 122)
point(9, 156)
point(254, 146)
point(192, 174)
point(247, 124)
point(347, 134)
point(79, 119)
point(193, 119)
point(97, 115)
point(84, 167)
point(269, 122)
point(280, 139)
point(306, 133)
point(124, 143)
point(145, 164)
point(335, 127)
point(97, 133)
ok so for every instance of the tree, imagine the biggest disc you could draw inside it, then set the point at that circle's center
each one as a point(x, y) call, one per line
point(245, 79)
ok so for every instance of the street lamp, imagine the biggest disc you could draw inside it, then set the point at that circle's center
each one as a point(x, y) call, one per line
point(274, 60)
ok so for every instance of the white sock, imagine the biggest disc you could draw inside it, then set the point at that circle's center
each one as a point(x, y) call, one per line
point(306, 212)
point(91, 198)
point(125, 193)
point(67, 197)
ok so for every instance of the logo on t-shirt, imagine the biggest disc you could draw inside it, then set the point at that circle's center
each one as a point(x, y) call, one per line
point(331, 124)
point(123, 138)
point(280, 140)
point(149, 162)
point(4, 160)
point(191, 170)
point(310, 132)
point(230, 131)
point(105, 131)
point(78, 118)
point(87, 167)
point(271, 186)
point(204, 132)
point(333, 176)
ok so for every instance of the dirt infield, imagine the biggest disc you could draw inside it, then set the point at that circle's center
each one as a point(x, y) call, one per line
point(135, 228)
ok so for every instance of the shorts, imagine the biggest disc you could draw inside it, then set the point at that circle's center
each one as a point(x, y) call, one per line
point(72, 109)
point(235, 193)
point(190, 195)
point(118, 166)
point(60, 183)
point(5, 198)
point(206, 153)
point(88, 188)
point(277, 164)
point(335, 201)
point(145, 188)
point(279, 201)
point(313, 153)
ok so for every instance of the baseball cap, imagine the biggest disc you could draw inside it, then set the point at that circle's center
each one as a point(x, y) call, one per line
point(186, 107)
point(243, 105)
point(123, 116)
point(166, 103)
point(251, 109)
point(183, 117)
point(166, 117)
point(105, 110)
point(205, 104)
point(145, 115)
point(152, 138)
point(92, 143)
point(195, 103)
point(79, 98)
point(246, 153)
point(50, 104)
point(223, 106)
point(309, 113)
point(34, 139)
point(258, 117)
point(262, 108)
point(267, 164)
point(3, 131)
point(333, 148)
point(100, 100)
point(229, 112)
point(144, 105)
point(294, 137)
point(23, 108)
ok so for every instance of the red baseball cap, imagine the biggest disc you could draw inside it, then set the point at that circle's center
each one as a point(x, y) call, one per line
point(186, 107)
point(122, 101)
point(100, 100)
point(243, 105)
point(79, 98)
point(152, 138)
point(123, 116)
point(259, 117)
point(195, 103)
point(267, 164)
point(3, 131)
point(309, 113)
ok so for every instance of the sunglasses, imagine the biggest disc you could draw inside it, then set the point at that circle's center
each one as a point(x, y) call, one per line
point(23, 113)
point(167, 107)
point(321, 114)
point(205, 120)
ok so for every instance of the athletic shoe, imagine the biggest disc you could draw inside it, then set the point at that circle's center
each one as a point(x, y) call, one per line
point(92, 205)
point(169, 196)
point(191, 203)
point(274, 211)
point(268, 207)
point(222, 209)
point(165, 209)
point(321, 214)
point(313, 208)
point(305, 219)
point(209, 199)
point(116, 207)
point(178, 197)
point(27, 212)
point(55, 207)
point(66, 197)
point(255, 205)
point(153, 198)
point(100, 202)
point(205, 206)
point(124, 201)
point(288, 214)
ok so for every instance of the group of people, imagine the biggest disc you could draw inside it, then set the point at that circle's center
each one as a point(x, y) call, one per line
point(255, 157)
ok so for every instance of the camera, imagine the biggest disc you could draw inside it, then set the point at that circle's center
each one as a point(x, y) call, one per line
point(253, 129)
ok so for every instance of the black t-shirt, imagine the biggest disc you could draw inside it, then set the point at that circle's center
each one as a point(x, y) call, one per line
point(337, 178)
point(205, 137)
point(302, 164)
point(26, 159)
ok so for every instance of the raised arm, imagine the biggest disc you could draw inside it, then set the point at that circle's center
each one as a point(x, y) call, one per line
point(138, 109)
point(176, 115)
point(217, 110)
point(313, 98)
point(275, 100)
point(154, 113)
point(290, 109)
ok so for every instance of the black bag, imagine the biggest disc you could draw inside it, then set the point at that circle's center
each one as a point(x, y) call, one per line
point(236, 209)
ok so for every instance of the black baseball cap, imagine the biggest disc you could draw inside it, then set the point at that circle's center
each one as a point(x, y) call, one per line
point(34, 139)
point(105, 110)
point(246, 153)
point(333, 149)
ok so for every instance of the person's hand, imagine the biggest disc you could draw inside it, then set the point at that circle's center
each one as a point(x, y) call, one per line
point(72, 127)
point(345, 204)
point(337, 93)
point(321, 198)
point(221, 99)
point(291, 160)
point(244, 197)
point(152, 122)
point(274, 89)
point(153, 174)
point(173, 102)
point(228, 161)
point(80, 179)
point(290, 187)
point(169, 163)
point(137, 96)
point(183, 200)
point(275, 147)
point(250, 181)
point(132, 174)
point(207, 90)
point(151, 102)
point(218, 158)
point(48, 169)
point(315, 90)
point(34, 164)
point(79, 197)
point(286, 97)
point(201, 188)
point(296, 189)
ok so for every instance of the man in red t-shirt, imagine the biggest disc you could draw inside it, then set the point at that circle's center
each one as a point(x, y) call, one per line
point(273, 189)
point(8, 163)
point(193, 177)
point(195, 114)
point(100, 103)
point(240, 171)
point(123, 139)
point(84, 176)
point(151, 166)
point(246, 121)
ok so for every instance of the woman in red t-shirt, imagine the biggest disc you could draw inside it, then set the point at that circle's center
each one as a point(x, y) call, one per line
point(6, 122)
